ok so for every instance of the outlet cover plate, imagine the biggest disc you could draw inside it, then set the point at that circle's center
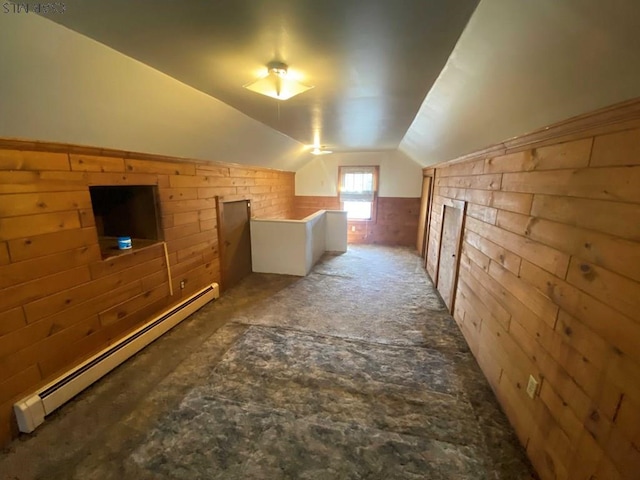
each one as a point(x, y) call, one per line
point(532, 386)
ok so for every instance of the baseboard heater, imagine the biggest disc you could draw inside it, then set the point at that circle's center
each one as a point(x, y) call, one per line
point(31, 410)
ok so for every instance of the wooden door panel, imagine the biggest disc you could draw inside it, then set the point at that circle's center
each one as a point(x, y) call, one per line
point(235, 241)
point(450, 240)
point(423, 225)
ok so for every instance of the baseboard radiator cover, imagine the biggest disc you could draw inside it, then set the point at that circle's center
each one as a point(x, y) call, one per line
point(31, 410)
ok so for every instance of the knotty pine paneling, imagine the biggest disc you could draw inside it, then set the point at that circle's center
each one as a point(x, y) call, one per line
point(59, 300)
point(396, 220)
point(548, 286)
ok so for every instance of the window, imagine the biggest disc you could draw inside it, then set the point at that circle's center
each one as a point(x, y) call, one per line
point(358, 187)
point(125, 211)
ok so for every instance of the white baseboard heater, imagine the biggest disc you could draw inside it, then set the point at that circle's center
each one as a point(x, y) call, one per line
point(31, 410)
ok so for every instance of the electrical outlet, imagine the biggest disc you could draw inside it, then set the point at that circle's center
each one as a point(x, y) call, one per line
point(181, 284)
point(532, 386)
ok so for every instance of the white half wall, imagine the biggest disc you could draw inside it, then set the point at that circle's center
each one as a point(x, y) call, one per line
point(316, 235)
point(60, 86)
point(336, 231)
point(399, 175)
point(279, 246)
point(292, 247)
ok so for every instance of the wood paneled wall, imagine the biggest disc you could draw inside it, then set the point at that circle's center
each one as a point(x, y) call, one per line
point(549, 286)
point(59, 301)
point(308, 205)
point(396, 221)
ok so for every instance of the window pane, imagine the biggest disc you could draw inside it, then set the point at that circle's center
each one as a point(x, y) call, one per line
point(358, 182)
point(358, 210)
point(348, 182)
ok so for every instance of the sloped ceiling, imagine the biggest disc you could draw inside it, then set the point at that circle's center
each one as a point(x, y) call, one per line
point(371, 61)
point(522, 65)
point(59, 86)
point(166, 77)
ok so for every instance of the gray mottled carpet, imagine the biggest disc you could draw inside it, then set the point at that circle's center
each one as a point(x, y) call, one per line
point(354, 372)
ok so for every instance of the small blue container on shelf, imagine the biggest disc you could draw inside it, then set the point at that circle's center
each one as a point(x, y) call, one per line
point(124, 243)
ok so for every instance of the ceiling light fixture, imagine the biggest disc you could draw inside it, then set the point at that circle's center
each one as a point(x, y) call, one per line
point(277, 83)
point(320, 151)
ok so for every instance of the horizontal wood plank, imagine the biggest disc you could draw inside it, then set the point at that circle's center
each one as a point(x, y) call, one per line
point(554, 157)
point(61, 301)
point(620, 148)
point(183, 218)
point(495, 252)
point(619, 292)
point(30, 225)
point(26, 292)
point(615, 183)
point(11, 320)
point(549, 258)
point(622, 333)
point(132, 305)
point(95, 163)
point(181, 231)
point(211, 192)
point(529, 296)
point(26, 270)
point(40, 245)
point(159, 167)
point(196, 239)
point(34, 161)
point(477, 289)
point(485, 214)
point(462, 169)
point(63, 350)
point(614, 218)
point(100, 178)
point(126, 260)
point(476, 256)
point(616, 254)
point(4, 253)
point(514, 307)
point(628, 419)
point(181, 206)
point(121, 328)
point(30, 181)
point(175, 194)
point(480, 182)
point(204, 169)
point(481, 310)
point(575, 333)
point(37, 203)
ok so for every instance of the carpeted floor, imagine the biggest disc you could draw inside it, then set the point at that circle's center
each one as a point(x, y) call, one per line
point(354, 372)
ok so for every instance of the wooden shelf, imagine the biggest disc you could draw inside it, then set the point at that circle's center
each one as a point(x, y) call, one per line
point(109, 246)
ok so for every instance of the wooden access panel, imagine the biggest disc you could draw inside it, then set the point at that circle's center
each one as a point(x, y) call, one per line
point(449, 258)
point(235, 241)
point(423, 225)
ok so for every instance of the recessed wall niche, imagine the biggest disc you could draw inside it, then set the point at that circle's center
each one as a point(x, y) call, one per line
point(125, 211)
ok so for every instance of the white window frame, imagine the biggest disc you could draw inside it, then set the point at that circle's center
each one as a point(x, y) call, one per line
point(365, 195)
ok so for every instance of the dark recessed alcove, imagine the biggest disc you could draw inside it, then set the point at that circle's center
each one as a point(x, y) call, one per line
point(125, 211)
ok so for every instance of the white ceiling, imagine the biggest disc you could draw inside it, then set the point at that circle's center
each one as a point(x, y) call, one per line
point(371, 61)
point(60, 86)
point(417, 75)
point(521, 65)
